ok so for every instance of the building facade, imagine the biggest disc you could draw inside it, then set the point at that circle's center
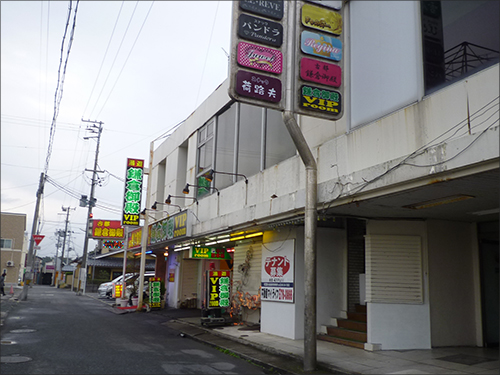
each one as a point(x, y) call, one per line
point(14, 246)
point(407, 190)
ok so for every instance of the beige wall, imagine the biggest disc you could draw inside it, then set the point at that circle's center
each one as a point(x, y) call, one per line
point(13, 227)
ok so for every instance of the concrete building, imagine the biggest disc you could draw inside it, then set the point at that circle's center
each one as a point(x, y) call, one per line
point(407, 190)
point(14, 246)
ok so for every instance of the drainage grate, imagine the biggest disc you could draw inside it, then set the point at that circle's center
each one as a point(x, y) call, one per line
point(24, 330)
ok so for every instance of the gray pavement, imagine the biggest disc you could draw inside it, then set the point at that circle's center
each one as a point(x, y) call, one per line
point(286, 355)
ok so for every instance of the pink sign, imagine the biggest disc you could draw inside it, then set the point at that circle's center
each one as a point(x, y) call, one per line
point(259, 57)
point(320, 72)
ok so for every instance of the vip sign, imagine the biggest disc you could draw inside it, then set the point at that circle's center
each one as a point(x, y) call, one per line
point(219, 283)
point(277, 282)
point(211, 253)
point(133, 192)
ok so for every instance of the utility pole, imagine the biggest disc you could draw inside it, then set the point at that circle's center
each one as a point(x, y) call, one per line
point(29, 269)
point(58, 245)
point(82, 275)
point(67, 210)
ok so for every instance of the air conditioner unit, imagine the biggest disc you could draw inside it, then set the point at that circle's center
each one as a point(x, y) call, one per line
point(10, 263)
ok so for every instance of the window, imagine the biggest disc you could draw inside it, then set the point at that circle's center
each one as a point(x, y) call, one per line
point(5, 243)
point(279, 143)
point(226, 128)
point(459, 38)
point(250, 140)
point(205, 154)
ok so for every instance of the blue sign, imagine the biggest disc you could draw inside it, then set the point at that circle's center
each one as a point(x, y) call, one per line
point(321, 45)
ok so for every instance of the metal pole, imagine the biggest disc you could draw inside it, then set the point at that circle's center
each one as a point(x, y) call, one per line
point(83, 277)
point(125, 250)
point(29, 269)
point(310, 214)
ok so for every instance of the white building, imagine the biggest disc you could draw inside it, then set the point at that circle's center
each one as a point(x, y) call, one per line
point(407, 188)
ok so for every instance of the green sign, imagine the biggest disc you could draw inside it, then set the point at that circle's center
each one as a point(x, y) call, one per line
point(208, 253)
point(154, 292)
point(219, 285)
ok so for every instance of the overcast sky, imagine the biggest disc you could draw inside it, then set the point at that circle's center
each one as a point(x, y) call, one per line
point(139, 91)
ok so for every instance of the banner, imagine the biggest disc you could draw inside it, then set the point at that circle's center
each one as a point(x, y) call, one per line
point(133, 192)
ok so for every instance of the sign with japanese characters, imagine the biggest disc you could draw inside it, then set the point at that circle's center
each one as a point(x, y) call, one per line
point(133, 192)
point(172, 227)
point(258, 86)
point(211, 253)
point(321, 19)
point(218, 288)
point(260, 30)
point(38, 238)
point(134, 238)
point(320, 72)
point(321, 45)
point(259, 57)
point(277, 282)
point(154, 292)
point(107, 229)
point(269, 8)
point(320, 100)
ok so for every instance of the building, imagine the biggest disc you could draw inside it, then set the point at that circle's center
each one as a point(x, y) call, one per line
point(13, 246)
point(407, 189)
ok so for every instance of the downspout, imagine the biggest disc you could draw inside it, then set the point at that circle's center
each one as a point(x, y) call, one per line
point(310, 212)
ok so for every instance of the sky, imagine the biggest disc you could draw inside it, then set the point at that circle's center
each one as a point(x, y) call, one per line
point(140, 68)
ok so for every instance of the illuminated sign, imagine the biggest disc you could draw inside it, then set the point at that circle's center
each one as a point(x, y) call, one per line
point(320, 72)
point(321, 19)
point(258, 86)
point(321, 45)
point(173, 227)
point(154, 292)
point(117, 290)
point(259, 57)
point(111, 229)
point(277, 278)
point(113, 244)
point(219, 283)
point(260, 30)
point(133, 192)
point(319, 99)
point(134, 238)
point(269, 8)
point(208, 253)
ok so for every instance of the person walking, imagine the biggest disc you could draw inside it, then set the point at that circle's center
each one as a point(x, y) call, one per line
point(2, 283)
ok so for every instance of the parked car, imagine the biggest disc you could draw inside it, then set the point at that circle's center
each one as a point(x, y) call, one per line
point(105, 290)
point(133, 283)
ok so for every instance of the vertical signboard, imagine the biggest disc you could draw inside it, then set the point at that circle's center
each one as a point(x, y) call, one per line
point(133, 192)
point(155, 292)
point(258, 51)
point(319, 59)
point(218, 289)
point(277, 280)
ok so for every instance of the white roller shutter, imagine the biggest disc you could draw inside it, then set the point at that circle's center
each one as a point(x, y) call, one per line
point(394, 269)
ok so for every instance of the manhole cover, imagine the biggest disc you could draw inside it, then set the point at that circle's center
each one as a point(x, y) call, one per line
point(8, 342)
point(14, 359)
point(26, 330)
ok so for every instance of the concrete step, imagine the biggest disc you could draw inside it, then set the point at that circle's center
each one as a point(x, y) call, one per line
point(336, 340)
point(351, 324)
point(357, 316)
point(346, 334)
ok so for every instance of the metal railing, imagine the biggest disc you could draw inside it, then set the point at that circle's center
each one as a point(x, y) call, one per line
point(465, 57)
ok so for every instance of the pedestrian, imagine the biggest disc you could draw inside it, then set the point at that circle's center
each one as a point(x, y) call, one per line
point(2, 283)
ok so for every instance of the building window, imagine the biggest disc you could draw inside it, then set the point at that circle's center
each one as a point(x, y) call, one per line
point(459, 39)
point(224, 159)
point(279, 143)
point(5, 243)
point(205, 154)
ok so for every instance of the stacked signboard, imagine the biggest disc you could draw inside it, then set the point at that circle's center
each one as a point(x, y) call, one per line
point(319, 39)
point(259, 53)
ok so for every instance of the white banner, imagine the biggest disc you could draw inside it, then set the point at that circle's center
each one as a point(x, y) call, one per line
point(278, 271)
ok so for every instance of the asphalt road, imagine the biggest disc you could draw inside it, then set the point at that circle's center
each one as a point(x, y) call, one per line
point(57, 332)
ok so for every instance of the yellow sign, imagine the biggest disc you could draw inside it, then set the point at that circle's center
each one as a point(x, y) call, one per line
point(322, 19)
point(117, 291)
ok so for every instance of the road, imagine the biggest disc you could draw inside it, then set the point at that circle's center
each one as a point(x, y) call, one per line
point(57, 332)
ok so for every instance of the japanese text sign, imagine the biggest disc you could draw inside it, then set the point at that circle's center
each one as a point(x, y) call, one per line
point(134, 238)
point(218, 288)
point(260, 30)
point(107, 229)
point(133, 192)
point(208, 253)
point(319, 99)
point(38, 238)
point(321, 19)
point(117, 290)
point(173, 227)
point(320, 72)
point(258, 86)
point(259, 57)
point(277, 282)
point(270, 8)
point(321, 45)
point(154, 292)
